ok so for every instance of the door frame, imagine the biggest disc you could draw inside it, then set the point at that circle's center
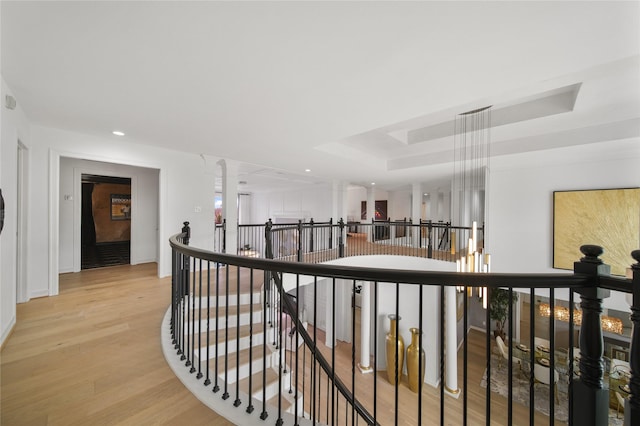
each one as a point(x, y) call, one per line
point(22, 175)
point(77, 210)
point(54, 211)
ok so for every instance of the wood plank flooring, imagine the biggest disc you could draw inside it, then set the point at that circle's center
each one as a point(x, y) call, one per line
point(92, 356)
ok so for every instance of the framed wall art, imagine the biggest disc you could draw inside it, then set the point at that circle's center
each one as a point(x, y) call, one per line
point(609, 218)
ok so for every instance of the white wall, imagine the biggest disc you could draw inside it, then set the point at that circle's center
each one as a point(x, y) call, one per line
point(14, 127)
point(399, 205)
point(520, 219)
point(305, 204)
point(144, 220)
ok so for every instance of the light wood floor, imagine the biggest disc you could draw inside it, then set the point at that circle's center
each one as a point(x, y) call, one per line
point(92, 356)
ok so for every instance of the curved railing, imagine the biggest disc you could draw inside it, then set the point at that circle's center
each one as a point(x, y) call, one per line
point(314, 375)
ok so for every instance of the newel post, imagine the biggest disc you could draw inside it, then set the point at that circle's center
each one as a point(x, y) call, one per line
point(430, 239)
point(311, 236)
point(632, 405)
point(590, 399)
point(268, 239)
point(340, 238)
point(185, 266)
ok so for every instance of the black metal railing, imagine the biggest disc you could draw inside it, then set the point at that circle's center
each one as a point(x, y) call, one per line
point(284, 340)
point(316, 242)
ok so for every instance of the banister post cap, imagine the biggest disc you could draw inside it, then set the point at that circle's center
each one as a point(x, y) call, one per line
point(636, 255)
point(591, 253)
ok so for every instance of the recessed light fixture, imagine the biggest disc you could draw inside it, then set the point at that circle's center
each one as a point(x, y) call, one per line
point(307, 170)
point(373, 183)
point(118, 133)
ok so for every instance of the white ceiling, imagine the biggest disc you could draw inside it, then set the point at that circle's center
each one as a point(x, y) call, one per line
point(346, 89)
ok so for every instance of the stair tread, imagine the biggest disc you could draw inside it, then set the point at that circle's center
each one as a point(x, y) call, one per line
point(256, 381)
point(245, 330)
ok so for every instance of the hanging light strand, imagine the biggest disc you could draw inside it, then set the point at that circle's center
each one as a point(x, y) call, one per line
point(471, 164)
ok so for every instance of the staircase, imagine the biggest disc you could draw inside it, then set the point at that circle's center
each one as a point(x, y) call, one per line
point(237, 339)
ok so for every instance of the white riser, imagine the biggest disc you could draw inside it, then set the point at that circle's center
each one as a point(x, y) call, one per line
point(245, 299)
point(233, 322)
point(258, 340)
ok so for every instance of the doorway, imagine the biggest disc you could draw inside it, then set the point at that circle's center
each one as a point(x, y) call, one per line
point(105, 221)
point(21, 225)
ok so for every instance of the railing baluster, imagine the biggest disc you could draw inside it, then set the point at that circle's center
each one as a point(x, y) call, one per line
point(207, 380)
point(488, 353)
point(353, 349)
point(267, 283)
point(632, 407)
point(465, 355)
point(295, 327)
point(398, 368)
point(237, 402)
point(225, 394)
point(552, 356)
point(216, 387)
point(510, 360)
point(280, 362)
point(199, 375)
point(314, 377)
point(442, 360)
point(192, 336)
point(421, 365)
point(532, 360)
point(375, 350)
point(333, 347)
point(250, 391)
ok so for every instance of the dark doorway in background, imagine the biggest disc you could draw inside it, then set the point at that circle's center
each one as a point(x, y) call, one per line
point(105, 228)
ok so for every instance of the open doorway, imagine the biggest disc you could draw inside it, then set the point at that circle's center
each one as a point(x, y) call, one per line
point(105, 221)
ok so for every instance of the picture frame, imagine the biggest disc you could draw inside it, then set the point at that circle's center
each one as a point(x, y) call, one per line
point(609, 218)
point(120, 206)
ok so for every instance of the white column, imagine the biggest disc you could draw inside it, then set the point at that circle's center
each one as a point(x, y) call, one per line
point(365, 329)
point(451, 343)
point(339, 208)
point(230, 202)
point(371, 210)
point(416, 212)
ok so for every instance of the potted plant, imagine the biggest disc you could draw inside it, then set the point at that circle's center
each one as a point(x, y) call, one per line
point(499, 309)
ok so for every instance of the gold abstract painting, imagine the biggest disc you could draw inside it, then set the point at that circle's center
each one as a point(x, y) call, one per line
point(609, 218)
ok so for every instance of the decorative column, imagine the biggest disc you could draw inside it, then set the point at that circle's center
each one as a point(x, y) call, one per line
point(632, 404)
point(371, 211)
point(230, 203)
point(416, 213)
point(590, 399)
point(451, 343)
point(365, 329)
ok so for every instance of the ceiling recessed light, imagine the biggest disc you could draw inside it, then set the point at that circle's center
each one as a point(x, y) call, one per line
point(307, 170)
point(118, 133)
point(373, 183)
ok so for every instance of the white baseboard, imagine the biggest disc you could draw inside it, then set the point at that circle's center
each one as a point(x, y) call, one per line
point(39, 293)
point(7, 332)
point(481, 330)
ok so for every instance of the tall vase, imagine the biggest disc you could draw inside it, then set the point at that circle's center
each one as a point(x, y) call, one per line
point(414, 353)
point(392, 340)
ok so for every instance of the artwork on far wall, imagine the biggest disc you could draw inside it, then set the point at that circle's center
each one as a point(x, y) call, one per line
point(609, 218)
point(380, 211)
point(120, 206)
